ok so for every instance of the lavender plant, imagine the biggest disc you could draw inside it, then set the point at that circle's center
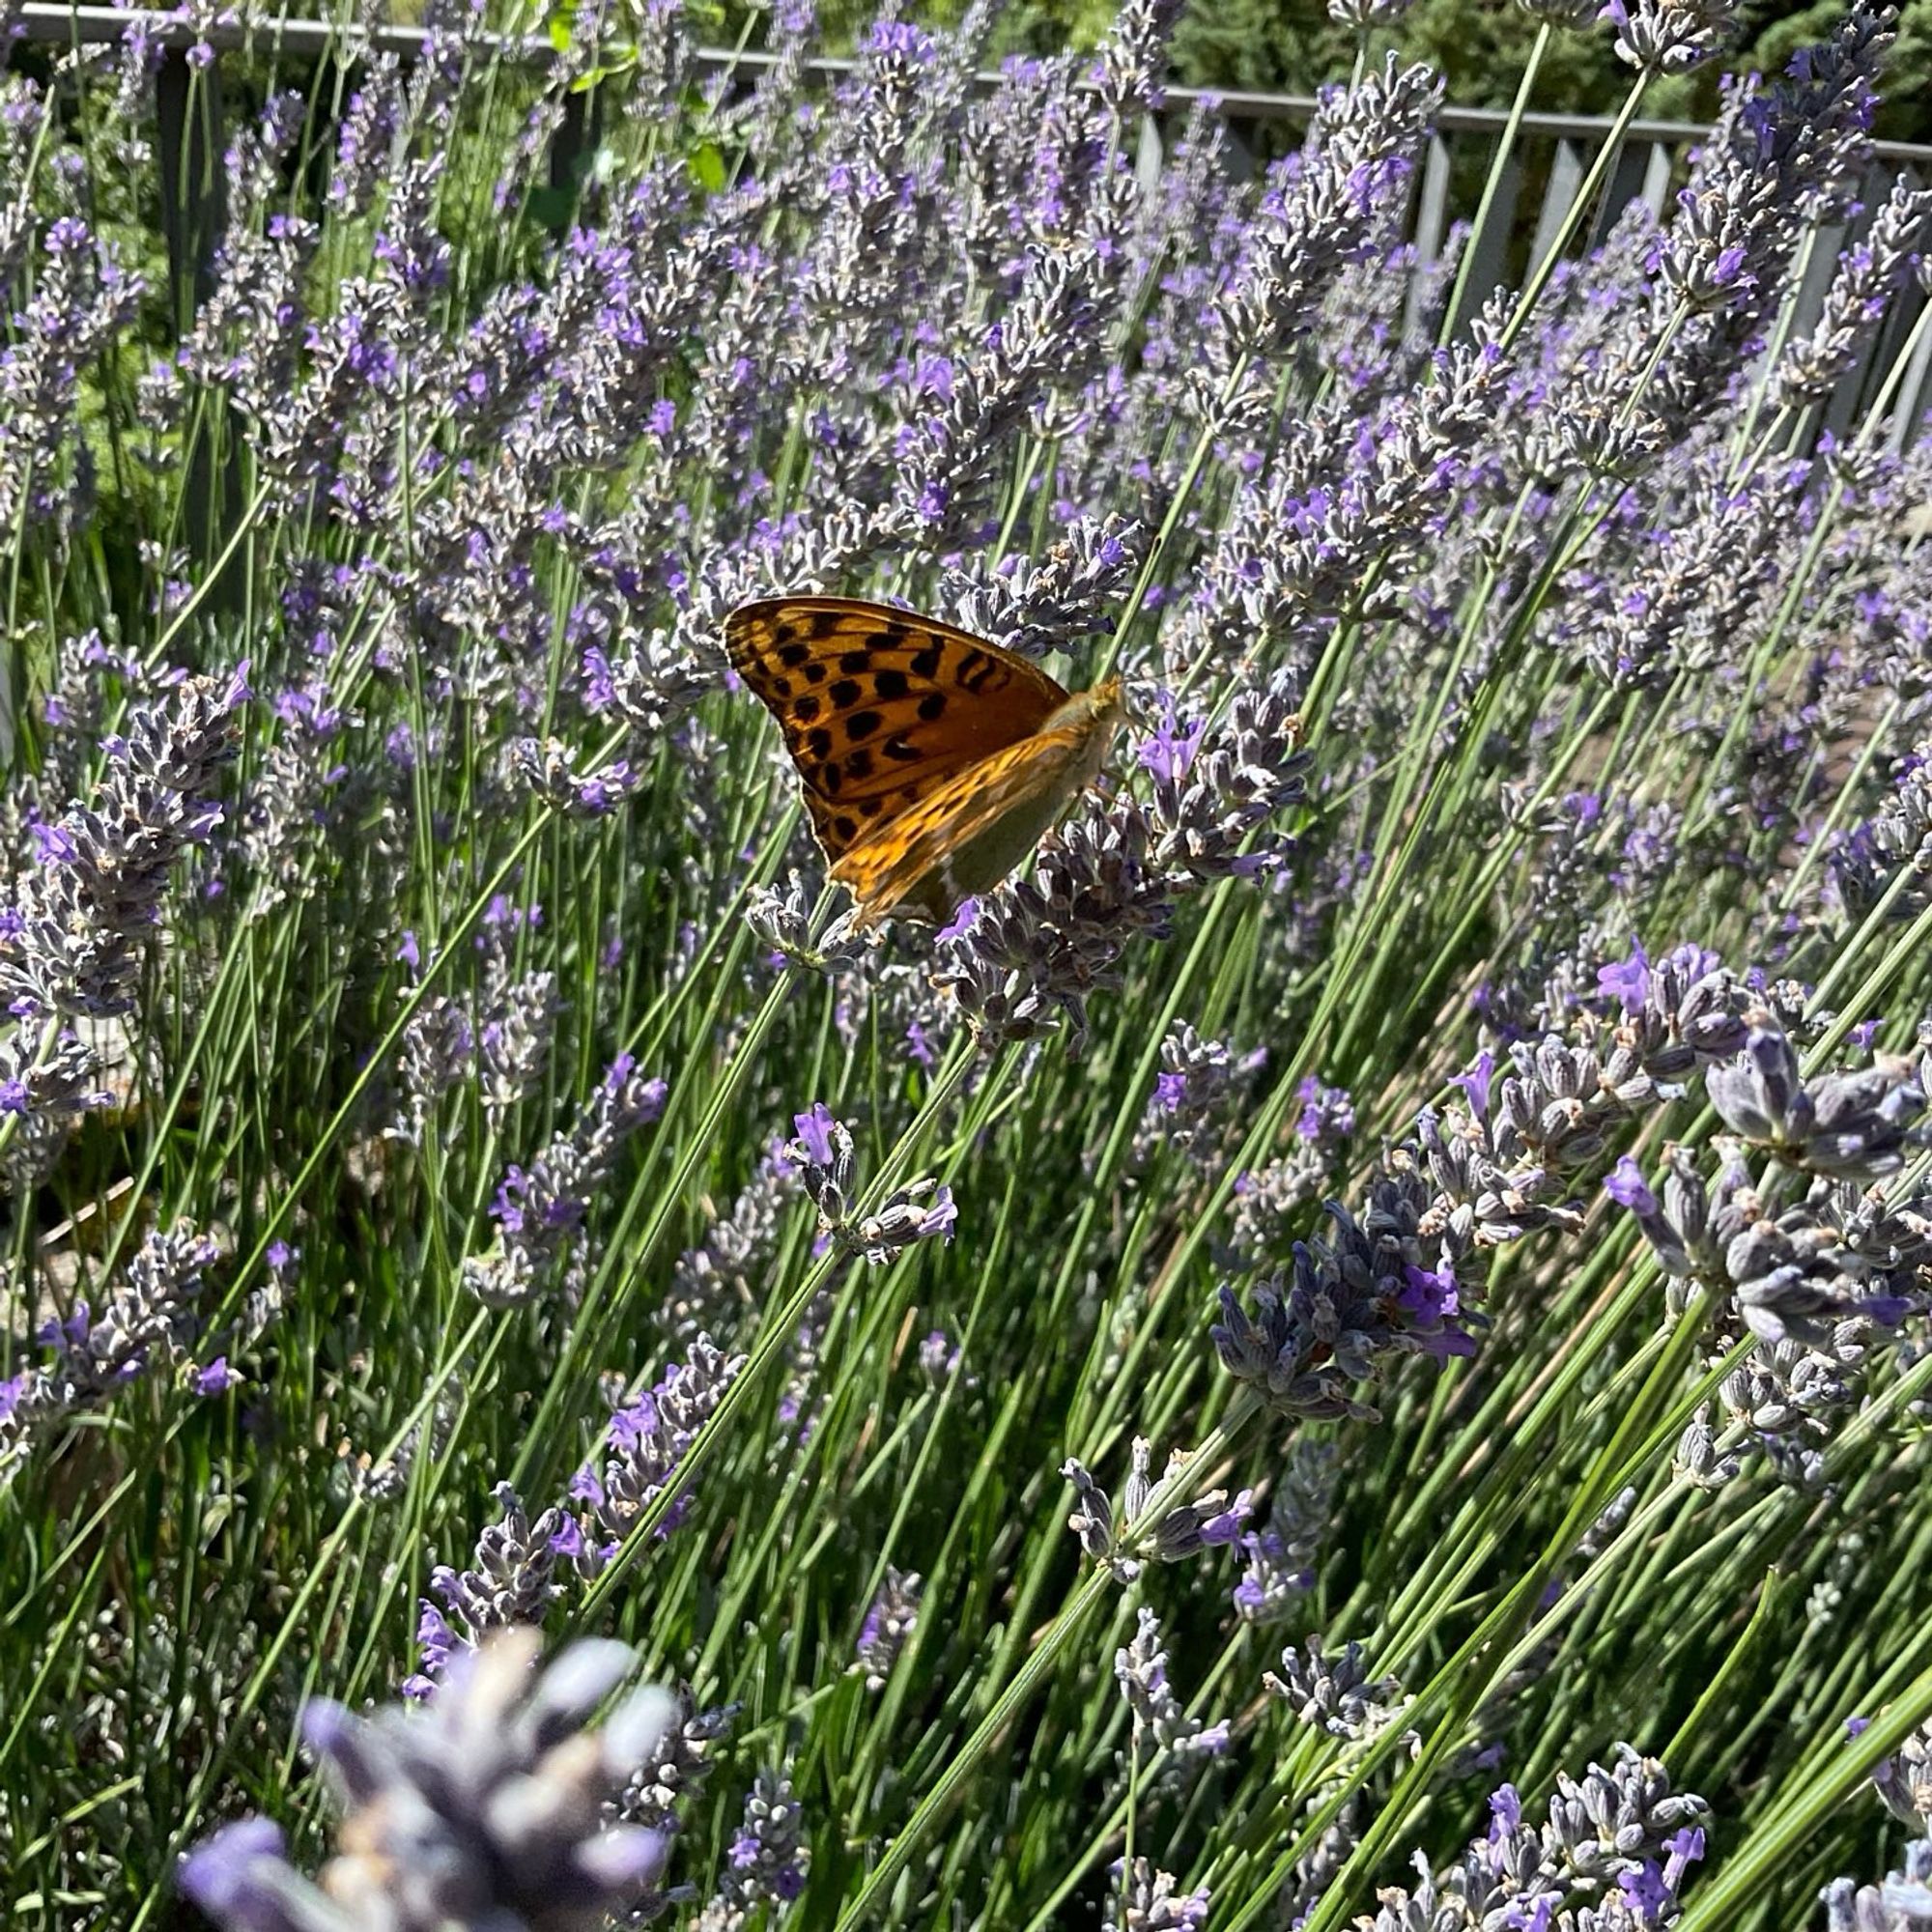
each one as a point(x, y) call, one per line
point(1457, 1086)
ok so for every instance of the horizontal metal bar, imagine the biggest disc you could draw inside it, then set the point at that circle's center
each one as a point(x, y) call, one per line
point(44, 20)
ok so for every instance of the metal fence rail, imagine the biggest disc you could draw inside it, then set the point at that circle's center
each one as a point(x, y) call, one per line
point(1552, 155)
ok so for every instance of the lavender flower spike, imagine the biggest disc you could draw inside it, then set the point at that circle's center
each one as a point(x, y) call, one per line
point(823, 1156)
point(485, 1809)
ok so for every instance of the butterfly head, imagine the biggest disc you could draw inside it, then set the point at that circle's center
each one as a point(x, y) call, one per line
point(1102, 706)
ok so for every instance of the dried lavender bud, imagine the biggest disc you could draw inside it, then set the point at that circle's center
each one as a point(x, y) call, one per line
point(888, 1622)
point(47, 1084)
point(822, 1155)
point(784, 920)
point(1140, 1668)
point(947, 458)
point(1268, 1207)
point(1679, 1012)
point(438, 1051)
point(1209, 1520)
point(1868, 276)
point(922, 1210)
point(1151, 1902)
point(1363, 17)
point(365, 148)
point(1210, 794)
point(1060, 601)
point(670, 1777)
point(1903, 1903)
point(1670, 36)
point(1892, 848)
point(1336, 1694)
point(1197, 1095)
point(82, 300)
point(1774, 160)
point(1612, 1857)
point(551, 771)
point(1133, 55)
point(1691, 590)
point(1092, 1519)
point(1698, 1461)
point(938, 1358)
point(1841, 1124)
point(1904, 1780)
point(722, 1280)
point(485, 1807)
point(513, 1583)
point(1045, 943)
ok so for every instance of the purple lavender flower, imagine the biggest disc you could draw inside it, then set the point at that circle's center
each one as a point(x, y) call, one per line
point(1605, 1833)
point(766, 1864)
point(1160, 1721)
point(1183, 1530)
point(921, 1210)
point(541, 1213)
point(74, 936)
point(888, 1622)
point(511, 1585)
point(486, 1806)
point(1326, 208)
point(645, 1443)
point(146, 1325)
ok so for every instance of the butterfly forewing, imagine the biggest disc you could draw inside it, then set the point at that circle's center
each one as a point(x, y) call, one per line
point(880, 707)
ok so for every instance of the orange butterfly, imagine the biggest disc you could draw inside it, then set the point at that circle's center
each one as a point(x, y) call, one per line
point(932, 760)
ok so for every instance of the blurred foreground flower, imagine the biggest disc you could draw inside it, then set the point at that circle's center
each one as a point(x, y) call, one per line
point(486, 1808)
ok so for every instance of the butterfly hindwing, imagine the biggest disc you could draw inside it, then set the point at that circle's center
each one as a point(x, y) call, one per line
point(879, 706)
point(970, 831)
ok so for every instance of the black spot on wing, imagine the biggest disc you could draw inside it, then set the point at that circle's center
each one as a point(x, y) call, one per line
point(845, 694)
point(895, 747)
point(830, 780)
point(823, 624)
point(931, 705)
point(862, 725)
point(818, 743)
point(859, 764)
point(976, 670)
point(793, 654)
point(926, 663)
point(851, 663)
point(806, 710)
point(890, 684)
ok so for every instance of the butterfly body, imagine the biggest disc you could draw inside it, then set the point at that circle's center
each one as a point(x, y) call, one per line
point(933, 761)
